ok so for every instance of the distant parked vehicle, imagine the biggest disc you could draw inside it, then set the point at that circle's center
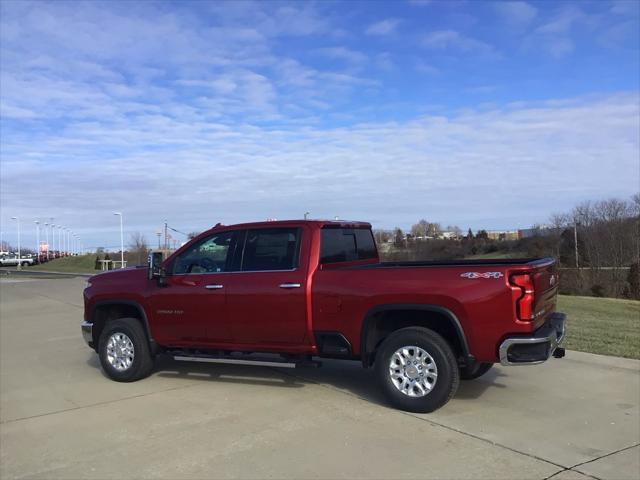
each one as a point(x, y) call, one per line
point(14, 261)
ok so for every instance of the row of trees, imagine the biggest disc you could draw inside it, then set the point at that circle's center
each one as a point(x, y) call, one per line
point(608, 246)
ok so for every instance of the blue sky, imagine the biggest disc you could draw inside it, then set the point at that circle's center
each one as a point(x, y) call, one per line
point(481, 114)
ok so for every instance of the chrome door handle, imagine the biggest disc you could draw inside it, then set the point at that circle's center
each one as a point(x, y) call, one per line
point(214, 286)
point(290, 285)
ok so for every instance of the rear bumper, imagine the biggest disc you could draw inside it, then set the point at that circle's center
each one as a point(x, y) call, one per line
point(87, 332)
point(536, 348)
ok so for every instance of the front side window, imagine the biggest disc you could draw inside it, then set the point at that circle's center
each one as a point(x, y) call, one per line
point(207, 256)
point(271, 249)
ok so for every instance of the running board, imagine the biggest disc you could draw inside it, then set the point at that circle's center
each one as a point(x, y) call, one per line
point(239, 361)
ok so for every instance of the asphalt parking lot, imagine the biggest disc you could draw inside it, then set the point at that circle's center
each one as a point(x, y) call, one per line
point(574, 418)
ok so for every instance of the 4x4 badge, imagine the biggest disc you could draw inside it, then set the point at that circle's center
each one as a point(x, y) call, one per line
point(482, 274)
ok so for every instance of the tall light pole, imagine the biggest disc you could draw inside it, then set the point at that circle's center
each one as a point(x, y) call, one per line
point(60, 227)
point(68, 231)
point(46, 232)
point(575, 240)
point(17, 219)
point(121, 240)
point(37, 222)
point(53, 234)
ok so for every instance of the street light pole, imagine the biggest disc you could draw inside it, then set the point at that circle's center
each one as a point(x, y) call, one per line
point(37, 222)
point(17, 219)
point(46, 232)
point(575, 240)
point(121, 240)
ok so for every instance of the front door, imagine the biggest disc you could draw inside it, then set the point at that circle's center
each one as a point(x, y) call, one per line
point(266, 298)
point(192, 307)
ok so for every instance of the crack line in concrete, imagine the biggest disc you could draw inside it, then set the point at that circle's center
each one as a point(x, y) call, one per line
point(432, 422)
point(107, 402)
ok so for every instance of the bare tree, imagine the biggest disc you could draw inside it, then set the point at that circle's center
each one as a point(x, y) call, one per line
point(138, 249)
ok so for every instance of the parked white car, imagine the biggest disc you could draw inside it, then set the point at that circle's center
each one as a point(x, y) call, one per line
point(14, 261)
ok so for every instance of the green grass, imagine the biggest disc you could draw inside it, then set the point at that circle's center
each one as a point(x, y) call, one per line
point(79, 264)
point(607, 326)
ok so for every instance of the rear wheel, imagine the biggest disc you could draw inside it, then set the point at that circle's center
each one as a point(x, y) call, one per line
point(474, 371)
point(124, 350)
point(417, 370)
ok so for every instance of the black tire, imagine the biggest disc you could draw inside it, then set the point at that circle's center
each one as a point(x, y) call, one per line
point(143, 361)
point(448, 377)
point(471, 372)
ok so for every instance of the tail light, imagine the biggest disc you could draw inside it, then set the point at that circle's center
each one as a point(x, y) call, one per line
point(524, 303)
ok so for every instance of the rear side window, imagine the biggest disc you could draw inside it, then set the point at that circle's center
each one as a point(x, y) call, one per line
point(271, 249)
point(346, 245)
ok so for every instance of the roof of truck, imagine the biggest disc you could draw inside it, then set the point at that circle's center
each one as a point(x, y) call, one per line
point(284, 223)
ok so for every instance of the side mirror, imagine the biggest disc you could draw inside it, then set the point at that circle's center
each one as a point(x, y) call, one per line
point(155, 266)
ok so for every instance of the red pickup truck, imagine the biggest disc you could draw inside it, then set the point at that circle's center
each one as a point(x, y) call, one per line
point(285, 293)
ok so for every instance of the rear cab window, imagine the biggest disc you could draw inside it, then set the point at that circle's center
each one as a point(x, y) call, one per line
point(339, 245)
point(269, 249)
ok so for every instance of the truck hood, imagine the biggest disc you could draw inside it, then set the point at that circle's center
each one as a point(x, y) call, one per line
point(124, 275)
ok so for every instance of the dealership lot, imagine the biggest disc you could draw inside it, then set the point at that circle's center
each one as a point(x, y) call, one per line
point(61, 418)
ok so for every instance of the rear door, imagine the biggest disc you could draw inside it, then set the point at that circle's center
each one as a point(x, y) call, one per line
point(266, 299)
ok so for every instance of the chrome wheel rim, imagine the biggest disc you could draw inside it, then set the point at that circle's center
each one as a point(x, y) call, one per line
point(120, 351)
point(413, 371)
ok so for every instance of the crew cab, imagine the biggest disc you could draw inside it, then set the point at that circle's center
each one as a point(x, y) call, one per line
point(287, 293)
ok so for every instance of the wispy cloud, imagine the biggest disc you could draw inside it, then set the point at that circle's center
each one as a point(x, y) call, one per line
point(195, 170)
point(453, 40)
point(516, 14)
point(343, 53)
point(384, 27)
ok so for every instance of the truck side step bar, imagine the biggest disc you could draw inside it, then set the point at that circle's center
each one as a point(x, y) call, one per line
point(253, 361)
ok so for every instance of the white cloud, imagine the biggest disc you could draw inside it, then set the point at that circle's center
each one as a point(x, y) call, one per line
point(384, 27)
point(516, 14)
point(453, 40)
point(196, 171)
point(343, 53)
point(556, 34)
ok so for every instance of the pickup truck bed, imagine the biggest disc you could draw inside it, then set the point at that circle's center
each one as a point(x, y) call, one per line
point(304, 289)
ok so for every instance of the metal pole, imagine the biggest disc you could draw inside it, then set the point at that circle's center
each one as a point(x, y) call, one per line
point(166, 240)
point(121, 244)
point(19, 254)
point(46, 232)
point(575, 241)
point(121, 240)
point(37, 240)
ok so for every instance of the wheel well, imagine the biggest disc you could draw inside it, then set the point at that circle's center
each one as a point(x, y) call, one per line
point(380, 324)
point(102, 314)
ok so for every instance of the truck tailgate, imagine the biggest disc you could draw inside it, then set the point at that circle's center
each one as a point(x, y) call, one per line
point(545, 284)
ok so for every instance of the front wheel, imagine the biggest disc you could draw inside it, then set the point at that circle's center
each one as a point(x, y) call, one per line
point(417, 370)
point(124, 350)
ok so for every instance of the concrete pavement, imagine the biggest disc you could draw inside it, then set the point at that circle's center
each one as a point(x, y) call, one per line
point(574, 418)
